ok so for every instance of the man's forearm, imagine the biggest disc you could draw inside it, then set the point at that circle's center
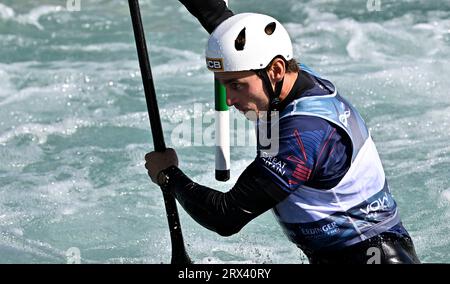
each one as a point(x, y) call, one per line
point(225, 213)
point(210, 208)
point(210, 13)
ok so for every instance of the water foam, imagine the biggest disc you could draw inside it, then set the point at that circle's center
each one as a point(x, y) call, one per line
point(6, 12)
point(41, 131)
point(30, 18)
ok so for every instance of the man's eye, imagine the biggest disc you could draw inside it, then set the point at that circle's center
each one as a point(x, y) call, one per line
point(236, 86)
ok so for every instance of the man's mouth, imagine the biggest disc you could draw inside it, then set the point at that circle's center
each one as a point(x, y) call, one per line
point(241, 110)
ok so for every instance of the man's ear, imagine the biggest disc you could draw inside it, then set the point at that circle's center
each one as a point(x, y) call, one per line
point(277, 70)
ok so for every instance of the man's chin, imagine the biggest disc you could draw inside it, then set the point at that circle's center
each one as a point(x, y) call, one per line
point(250, 115)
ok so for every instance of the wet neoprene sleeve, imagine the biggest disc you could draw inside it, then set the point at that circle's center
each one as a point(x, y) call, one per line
point(210, 13)
point(225, 213)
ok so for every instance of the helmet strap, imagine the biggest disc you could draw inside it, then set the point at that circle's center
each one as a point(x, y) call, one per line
point(274, 98)
point(274, 95)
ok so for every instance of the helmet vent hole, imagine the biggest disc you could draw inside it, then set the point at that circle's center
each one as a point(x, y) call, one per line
point(270, 28)
point(239, 42)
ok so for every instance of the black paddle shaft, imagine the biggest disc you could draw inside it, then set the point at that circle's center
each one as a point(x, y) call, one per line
point(179, 254)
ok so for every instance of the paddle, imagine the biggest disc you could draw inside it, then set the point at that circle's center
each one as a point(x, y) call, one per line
point(222, 131)
point(179, 254)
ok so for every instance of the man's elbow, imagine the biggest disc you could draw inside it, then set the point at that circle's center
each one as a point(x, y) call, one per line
point(227, 231)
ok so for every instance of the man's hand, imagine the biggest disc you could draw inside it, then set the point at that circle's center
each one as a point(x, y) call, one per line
point(158, 161)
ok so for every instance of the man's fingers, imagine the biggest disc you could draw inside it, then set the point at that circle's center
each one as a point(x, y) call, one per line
point(157, 161)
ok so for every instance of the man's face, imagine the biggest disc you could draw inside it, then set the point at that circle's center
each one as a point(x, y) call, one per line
point(245, 92)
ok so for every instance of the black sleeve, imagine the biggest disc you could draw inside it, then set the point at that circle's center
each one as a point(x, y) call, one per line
point(225, 213)
point(210, 13)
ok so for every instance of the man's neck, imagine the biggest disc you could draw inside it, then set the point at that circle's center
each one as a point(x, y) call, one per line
point(298, 84)
point(289, 81)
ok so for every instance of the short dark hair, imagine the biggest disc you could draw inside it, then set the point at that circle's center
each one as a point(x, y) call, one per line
point(291, 65)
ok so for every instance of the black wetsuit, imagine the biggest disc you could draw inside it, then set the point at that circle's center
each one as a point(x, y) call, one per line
point(256, 190)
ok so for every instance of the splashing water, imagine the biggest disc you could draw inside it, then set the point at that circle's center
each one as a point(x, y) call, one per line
point(74, 128)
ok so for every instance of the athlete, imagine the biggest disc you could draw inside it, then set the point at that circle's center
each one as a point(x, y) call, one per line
point(324, 182)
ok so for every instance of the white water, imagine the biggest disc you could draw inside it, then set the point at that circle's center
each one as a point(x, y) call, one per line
point(74, 127)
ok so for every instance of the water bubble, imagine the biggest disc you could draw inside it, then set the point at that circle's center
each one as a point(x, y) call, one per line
point(446, 194)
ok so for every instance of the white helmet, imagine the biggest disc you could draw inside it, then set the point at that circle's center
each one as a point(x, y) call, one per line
point(247, 41)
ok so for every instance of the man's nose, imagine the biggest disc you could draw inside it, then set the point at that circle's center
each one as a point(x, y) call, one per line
point(231, 100)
